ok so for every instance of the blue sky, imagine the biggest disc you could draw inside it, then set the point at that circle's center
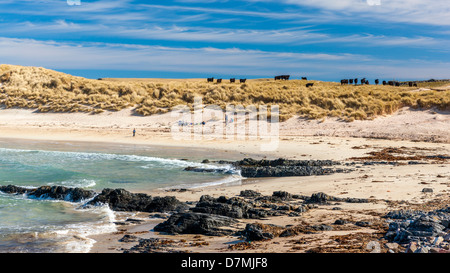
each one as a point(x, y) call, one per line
point(320, 39)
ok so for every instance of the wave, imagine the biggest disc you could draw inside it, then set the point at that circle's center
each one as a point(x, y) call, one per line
point(68, 235)
point(77, 235)
point(86, 156)
point(75, 183)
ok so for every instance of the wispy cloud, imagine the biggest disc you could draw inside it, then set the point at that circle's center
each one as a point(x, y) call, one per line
point(436, 12)
point(288, 36)
point(206, 60)
point(148, 58)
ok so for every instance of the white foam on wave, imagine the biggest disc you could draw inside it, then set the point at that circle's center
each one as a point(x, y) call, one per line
point(107, 156)
point(75, 183)
point(76, 236)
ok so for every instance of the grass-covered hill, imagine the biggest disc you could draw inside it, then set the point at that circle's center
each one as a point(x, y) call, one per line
point(50, 91)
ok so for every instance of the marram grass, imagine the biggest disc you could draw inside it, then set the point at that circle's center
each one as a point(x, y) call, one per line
point(51, 91)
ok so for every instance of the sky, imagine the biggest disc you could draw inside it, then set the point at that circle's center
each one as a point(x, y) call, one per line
point(320, 39)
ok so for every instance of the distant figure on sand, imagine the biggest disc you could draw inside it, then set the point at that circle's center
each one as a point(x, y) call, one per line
point(134, 132)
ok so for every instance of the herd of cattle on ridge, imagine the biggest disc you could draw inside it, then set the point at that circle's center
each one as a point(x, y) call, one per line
point(231, 80)
point(377, 81)
point(355, 81)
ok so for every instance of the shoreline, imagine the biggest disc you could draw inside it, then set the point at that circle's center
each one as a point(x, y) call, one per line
point(391, 185)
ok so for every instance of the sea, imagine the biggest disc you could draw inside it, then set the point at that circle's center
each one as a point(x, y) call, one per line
point(31, 225)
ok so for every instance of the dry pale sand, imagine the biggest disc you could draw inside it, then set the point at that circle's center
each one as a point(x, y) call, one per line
point(419, 132)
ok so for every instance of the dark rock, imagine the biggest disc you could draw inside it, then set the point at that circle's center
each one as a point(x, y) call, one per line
point(160, 216)
point(62, 193)
point(166, 203)
point(426, 227)
point(340, 222)
point(322, 198)
point(134, 221)
point(51, 192)
point(249, 193)
point(288, 233)
point(11, 189)
point(416, 225)
point(154, 245)
point(128, 238)
point(284, 196)
point(283, 207)
point(282, 167)
point(210, 170)
point(196, 223)
point(302, 208)
point(122, 200)
point(231, 207)
point(321, 227)
point(402, 214)
point(355, 200)
point(363, 224)
point(255, 232)
point(427, 190)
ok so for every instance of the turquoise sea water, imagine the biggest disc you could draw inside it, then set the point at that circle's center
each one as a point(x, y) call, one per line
point(36, 225)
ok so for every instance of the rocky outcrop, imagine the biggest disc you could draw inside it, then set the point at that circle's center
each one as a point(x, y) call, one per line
point(263, 232)
point(122, 200)
point(116, 199)
point(282, 167)
point(196, 223)
point(323, 198)
point(51, 192)
point(62, 193)
point(11, 189)
point(418, 227)
point(257, 232)
point(233, 207)
point(249, 167)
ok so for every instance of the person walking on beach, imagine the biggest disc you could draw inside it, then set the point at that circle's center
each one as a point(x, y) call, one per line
point(134, 132)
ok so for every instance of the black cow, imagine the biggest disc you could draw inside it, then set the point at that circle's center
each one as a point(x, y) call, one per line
point(366, 82)
point(219, 80)
point(304, 78)
point(350, 81)
point(377, 81)
point(344, 82)
point(356, 81)
point(232, 80)
point(282, 77)
point(310, 84)
point(210, 79)
point(242, 80)
point(363, 81)
point(384, 82)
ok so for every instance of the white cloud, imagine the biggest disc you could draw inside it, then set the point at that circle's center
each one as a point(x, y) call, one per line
point(157, 58)
point(288, 36)
point(209, 60)
point(436, 12)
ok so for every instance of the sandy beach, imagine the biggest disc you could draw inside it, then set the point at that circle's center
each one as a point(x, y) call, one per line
point(390, 187)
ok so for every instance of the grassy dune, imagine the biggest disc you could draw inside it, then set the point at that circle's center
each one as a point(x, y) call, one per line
point(51, 91)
